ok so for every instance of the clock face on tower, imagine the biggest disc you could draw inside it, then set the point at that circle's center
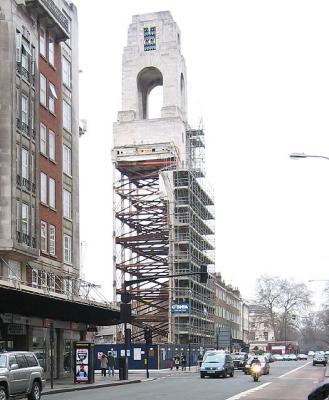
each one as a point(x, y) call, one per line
point(149, 38)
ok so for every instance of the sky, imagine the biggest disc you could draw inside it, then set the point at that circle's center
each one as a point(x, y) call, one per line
point(258, 76)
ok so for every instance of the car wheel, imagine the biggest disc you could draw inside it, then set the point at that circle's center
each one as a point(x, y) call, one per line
point(35, 392)
point(3, 393)
point(202, 376)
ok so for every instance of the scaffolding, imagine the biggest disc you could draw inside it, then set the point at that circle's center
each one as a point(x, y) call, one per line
point(164, 224)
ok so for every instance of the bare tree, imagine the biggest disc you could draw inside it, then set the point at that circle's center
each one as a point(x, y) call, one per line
point(279, 300)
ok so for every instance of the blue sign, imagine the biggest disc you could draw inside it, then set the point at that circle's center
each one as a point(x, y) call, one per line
point(183, 308)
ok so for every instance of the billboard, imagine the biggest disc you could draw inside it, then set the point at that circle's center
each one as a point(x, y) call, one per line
point(182, 308)
point(82, 364)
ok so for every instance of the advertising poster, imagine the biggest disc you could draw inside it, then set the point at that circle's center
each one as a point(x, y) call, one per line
point(137, 354)
point(81, 364)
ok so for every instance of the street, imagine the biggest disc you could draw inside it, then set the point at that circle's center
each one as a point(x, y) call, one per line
point(287, 381)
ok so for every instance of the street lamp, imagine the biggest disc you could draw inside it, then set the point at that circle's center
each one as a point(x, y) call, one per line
point(297, 156)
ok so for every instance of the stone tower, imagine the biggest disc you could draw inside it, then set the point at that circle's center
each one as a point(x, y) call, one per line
point(161, 208)
point(152, 58)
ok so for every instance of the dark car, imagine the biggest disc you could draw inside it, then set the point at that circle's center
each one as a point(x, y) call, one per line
point(217, 364)
point(239, 360)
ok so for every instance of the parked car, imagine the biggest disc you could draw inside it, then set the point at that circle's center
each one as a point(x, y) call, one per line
point(311, 353)
point(277, 357)
point(20, 375)
point(269, 356)
point(239, 360)
point(286, 357)
point(302, 356)
point(319, 358)
point(265, 365)
point(216, 364)
point(292, 357)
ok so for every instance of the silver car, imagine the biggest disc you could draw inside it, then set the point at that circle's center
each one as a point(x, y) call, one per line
point(20, 375)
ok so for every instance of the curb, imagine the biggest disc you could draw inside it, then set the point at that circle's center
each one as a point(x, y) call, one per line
point(88, 387)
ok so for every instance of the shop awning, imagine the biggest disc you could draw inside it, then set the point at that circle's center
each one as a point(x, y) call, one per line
point(33, 304)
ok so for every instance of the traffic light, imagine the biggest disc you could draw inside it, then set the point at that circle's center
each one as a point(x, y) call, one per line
point(148, 336)
point(203, 273)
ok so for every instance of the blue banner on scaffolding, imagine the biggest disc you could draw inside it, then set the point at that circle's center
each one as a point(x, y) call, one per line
point(182, 308)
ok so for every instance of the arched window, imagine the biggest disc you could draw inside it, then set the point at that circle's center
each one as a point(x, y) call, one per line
point(147, 80)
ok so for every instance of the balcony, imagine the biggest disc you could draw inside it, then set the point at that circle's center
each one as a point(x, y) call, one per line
point(26, 239)
point(25, 184)
point(54, 19)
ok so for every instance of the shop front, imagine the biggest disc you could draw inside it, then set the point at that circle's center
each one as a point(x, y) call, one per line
point(51, 329)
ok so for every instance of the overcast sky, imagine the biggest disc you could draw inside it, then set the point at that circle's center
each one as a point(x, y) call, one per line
point(258, 75)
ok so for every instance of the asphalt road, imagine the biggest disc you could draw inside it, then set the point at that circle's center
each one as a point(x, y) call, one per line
point(290, 380)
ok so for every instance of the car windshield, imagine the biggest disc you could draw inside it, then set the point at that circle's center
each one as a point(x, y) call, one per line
point(3, 361)
point(215, 358)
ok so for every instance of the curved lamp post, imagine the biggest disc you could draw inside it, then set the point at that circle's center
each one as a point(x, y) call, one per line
point(297, 156)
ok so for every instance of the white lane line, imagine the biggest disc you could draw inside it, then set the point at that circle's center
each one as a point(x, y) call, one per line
point(294, 370)
point(246, 392)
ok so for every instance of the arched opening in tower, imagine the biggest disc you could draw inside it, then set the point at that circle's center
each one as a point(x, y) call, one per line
point(150, 93)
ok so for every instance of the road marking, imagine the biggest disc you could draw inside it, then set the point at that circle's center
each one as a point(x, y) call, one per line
point(294, 370)
point(246, 392)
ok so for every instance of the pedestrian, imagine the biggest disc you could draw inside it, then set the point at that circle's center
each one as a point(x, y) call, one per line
point(171, 363)
point(111, 363)
point(176, 361)
point(200, 358)
point(183, 362)
point(103, 364)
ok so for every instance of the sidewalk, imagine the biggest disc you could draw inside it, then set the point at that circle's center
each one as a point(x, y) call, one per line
point(135, 376)
point(67, 385)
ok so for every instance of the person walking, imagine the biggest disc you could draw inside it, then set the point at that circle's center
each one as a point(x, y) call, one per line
point(111, 363)
point(183, 362)
point(103, 364)
point(177, 359)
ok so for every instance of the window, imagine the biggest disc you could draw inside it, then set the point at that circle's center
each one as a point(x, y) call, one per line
point(52, 240)
point(150, 38)
point(42, 42)
point(31, 360)
point(43, 139)
point(21, 361)
point(51, 51)
point(18, 46)
point(32, 167)
point(52, 282)
point(25, 164)
point(18, 209)
point(43, 235)
point(66, 116)
point(25, 110)
point(44, 279)
point(52, 146)
point(43, 90)
point(25, 60)
point(25, 219)
point(33, 61)
point(35, 276)
point(32, 118)
point(66, 160)
point(67, 249)
point(66, 68)
point(14, 269)
point(52, 98)
point(52, 193)
point(67, 204)
point(43, 188)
